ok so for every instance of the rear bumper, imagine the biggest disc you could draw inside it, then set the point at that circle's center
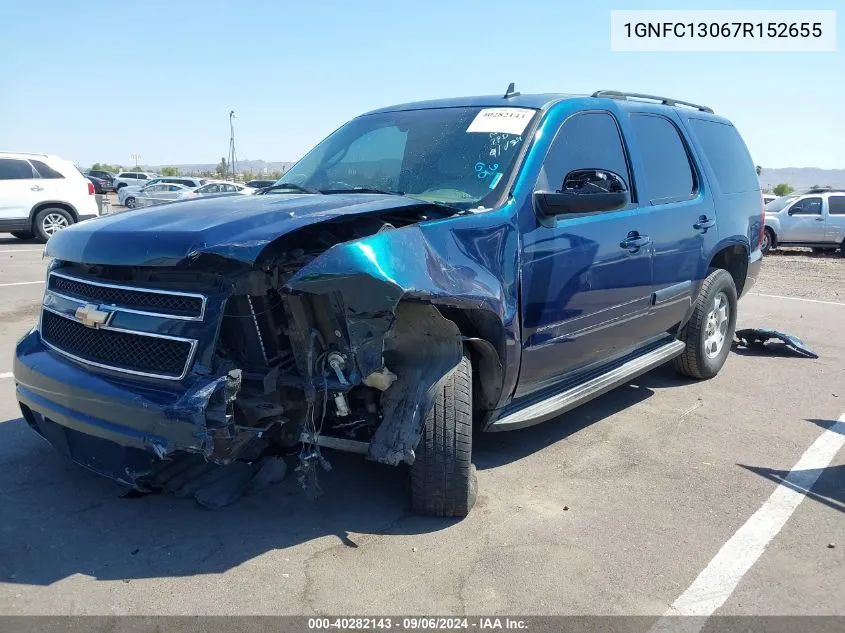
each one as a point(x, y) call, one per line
point(112, 426)
point(755, 262)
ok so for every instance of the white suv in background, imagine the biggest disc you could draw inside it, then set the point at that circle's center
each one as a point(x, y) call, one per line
point(42, 194)
point(132, 179)
point(815, 219)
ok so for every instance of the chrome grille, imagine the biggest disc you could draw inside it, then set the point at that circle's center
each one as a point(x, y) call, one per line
point(177, 305)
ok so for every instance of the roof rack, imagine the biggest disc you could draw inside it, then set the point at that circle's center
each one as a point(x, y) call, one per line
point(823, 190)
point(615, 94)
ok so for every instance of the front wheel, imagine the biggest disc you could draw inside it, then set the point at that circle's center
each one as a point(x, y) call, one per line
point(129, 202)
point(50, 221)
point(710, 331)
point(768, 241)
point(443, 481)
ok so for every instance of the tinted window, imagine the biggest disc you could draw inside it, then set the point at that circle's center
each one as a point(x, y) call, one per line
point(807, 206)
point(836, 205)
point(44, 170)
point(14, 169)
point(141, 176)
point(668, 172)
point(585, 141)
point(728, 157)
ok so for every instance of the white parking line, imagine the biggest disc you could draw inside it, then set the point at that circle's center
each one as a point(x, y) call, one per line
point(830, 303)
point(7, 374)
point(23, 250)
point(715, 584)
point(22, 283)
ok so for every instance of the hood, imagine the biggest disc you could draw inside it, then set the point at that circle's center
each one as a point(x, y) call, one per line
point(234, 227)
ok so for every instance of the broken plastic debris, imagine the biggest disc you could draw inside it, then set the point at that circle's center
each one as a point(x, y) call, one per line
point(381, 379)
point(755, 337)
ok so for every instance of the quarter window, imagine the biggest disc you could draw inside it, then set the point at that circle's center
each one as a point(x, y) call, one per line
point(585, 141)
point(666, 163)
point(45, 171)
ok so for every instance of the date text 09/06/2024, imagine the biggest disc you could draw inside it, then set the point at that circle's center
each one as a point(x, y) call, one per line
point(417, 623)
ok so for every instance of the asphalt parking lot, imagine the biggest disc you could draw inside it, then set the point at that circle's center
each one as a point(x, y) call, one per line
point(663, 494)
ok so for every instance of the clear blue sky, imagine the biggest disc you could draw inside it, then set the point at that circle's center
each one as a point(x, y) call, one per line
point(97, 81)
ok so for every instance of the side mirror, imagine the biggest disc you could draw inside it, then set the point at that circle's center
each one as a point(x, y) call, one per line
point(585, 191)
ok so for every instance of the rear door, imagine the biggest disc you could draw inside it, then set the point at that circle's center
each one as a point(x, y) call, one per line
point(20, 189)
point(804, 221)
point(678, 212)
point(835, 223)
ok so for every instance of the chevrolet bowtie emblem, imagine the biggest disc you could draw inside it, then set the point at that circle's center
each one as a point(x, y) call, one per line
point(90, 316)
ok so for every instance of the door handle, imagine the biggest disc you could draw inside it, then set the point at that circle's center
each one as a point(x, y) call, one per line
point(819, 219)
point(634, 242)
point(704, 223)
point(36, 188)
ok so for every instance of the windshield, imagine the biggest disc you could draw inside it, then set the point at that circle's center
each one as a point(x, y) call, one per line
point(456, 156)
point(779, 203)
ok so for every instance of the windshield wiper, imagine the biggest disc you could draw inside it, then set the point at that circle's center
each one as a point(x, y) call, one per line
point(291, 186)
point(386, 192)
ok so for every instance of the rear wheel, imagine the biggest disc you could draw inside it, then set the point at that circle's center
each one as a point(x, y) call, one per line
point(710, 331)
point(23, 235)
point(443, 481)
point(50, 221)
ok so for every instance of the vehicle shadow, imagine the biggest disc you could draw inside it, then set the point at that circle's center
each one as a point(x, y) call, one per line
point(825, 485)
point(11, 241)
point(59, 520)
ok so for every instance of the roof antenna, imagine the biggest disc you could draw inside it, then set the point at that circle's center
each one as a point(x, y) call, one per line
point(510, 92)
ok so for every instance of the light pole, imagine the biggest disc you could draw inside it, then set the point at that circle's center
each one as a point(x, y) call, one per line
point(136, 158)
point(232, 155)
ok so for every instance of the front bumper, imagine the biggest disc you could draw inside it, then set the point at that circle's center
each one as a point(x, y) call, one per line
point(113, 426)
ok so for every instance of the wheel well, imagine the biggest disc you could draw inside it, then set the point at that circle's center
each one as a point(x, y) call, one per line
point(51, 205)
point(733, 259)
point(483, 341)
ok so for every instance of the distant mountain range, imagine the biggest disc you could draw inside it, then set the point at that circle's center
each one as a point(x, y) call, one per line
point(255, 166)
point(800, 178)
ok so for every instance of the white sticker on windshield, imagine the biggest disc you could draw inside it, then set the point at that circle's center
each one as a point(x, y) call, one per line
point(504, 120)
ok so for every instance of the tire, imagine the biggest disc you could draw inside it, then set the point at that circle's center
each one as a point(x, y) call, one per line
point(23, 235)
point(701, 359)
point(842, 249)
point(443, 480)
point(768, 242)
point(129, 203)
point(49, 221)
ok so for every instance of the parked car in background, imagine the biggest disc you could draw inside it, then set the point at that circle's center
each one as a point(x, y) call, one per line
point(815, 219)
point(132, 191)
point(546, 249)
point(220, 188)
point(41, 194)
point(769, 197)
point(100, 186)
point(106, 176)
point(155, 191)
point(259, 184)
point(129, 178)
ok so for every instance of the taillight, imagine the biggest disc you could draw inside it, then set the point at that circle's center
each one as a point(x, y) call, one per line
point(762, 220)
point(90, 188)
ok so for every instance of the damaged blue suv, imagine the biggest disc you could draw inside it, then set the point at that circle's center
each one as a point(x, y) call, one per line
point(428, 270)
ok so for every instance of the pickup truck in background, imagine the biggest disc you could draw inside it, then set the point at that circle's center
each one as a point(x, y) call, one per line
point(815, 219)
point(428, 270)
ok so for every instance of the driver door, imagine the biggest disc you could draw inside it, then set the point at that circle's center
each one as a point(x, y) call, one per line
point(586, 289)
point(804, 221)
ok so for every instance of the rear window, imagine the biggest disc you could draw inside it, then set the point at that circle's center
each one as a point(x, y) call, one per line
point(727, 154)
point(836, 205)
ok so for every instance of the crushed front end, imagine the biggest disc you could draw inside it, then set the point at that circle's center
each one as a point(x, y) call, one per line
point(313, 343)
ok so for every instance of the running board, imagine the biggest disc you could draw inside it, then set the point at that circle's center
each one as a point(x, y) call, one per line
point(581, 393)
